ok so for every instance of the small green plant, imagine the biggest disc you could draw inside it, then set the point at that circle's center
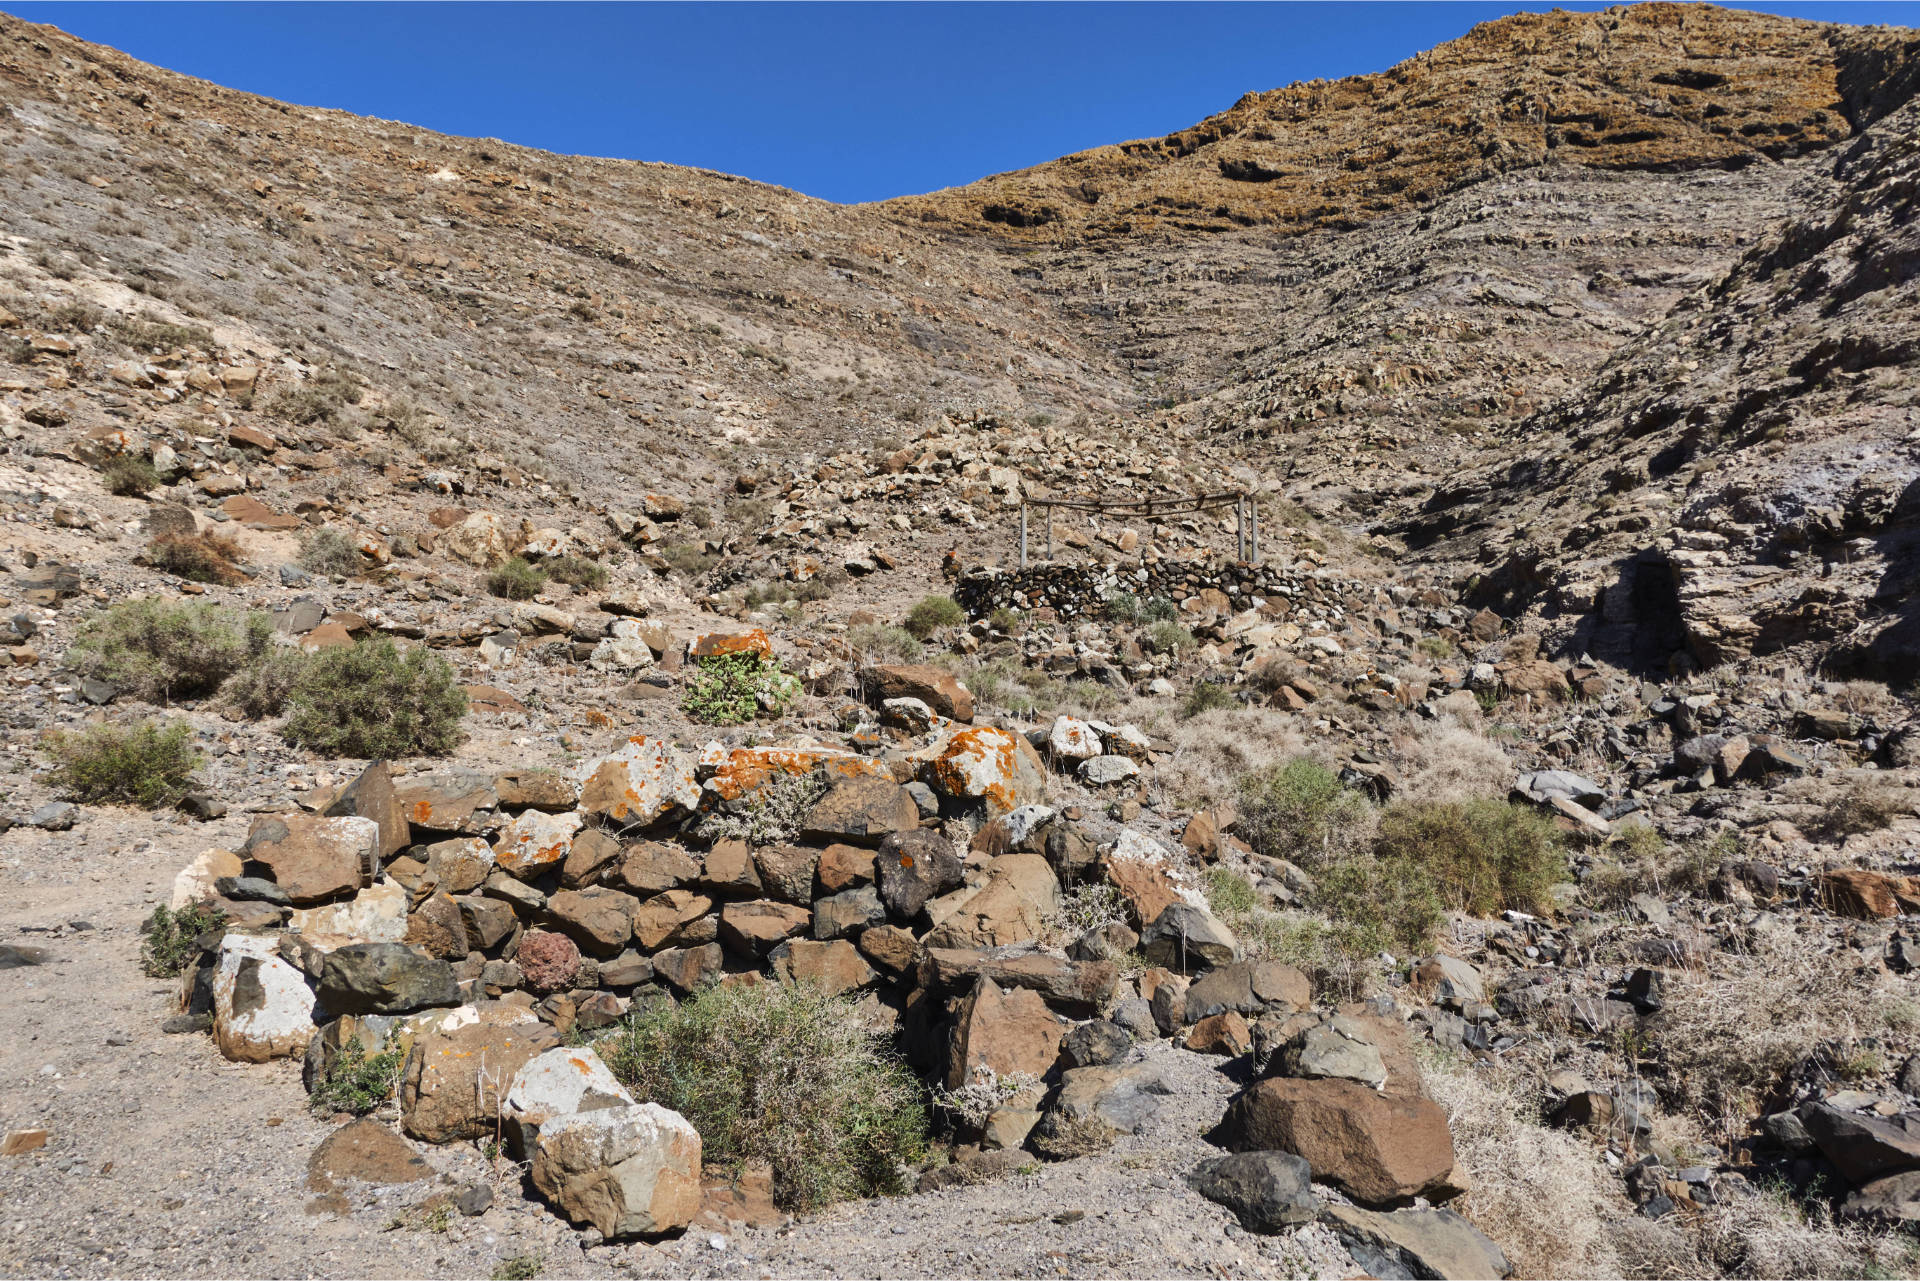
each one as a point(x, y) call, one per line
point(785, 1073)
point(198, 558)
point(1229, 892)
point(1089, 906)
point(732, 689)
point(1435, 647)
point(372, 701)
point(1158, 609)
point(355, 1081)
point(261, 688)
point(1004, 620)
point(691, 559)
point(577, 571)
point(148, 764)
point(1483, 856)
point(1299, 811)
point(329, 552)
point(129, 476)
point(159, 649)
point(1207, 696)
point(933, 613)
point(772, 815)
point(876, 641)
point(515, 579)
point(1168, 637)
point(518, 1267)
point(319, 399)
point(171, 939)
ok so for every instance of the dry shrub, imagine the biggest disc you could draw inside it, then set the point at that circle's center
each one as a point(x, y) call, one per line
point(1766, 1233)
point(1445, 761)
point(159, 649)
point(199, 558)
point(1213, 749)
point(1484, 856)
point(1543, 1195)
point(1866, 806)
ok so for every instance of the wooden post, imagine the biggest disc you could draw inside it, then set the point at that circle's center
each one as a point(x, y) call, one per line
point(1023, 535)
point(1047, 508)
point(1253, 526)
point(1240, 526)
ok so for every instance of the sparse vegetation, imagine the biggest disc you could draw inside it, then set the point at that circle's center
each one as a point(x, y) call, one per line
point(1207, 696)
point(577, 571)
point(355, 1081)
point(198, 558)
point(782, 1073)
point(518, 1267)
point(374, 701)
point(1863, 807)
point(261, 688)
point(732, 689)
point(330, 552)
point(149, 764)
point(319, 399)
point(170, 939)
point(1483, 856)
point(1301, 811)
point(876, 641)
point(516, 579)
point(159, 650)
point(933, 613)
point(129, 476)
point(771, 815)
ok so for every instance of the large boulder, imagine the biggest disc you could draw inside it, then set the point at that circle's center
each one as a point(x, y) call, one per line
point(1094, 1106)
point(1378, 1149)
point(1187, 937)
point(631, 1171)
point(1864, 1147)
point(554, 1084)
point(836, 966)
point(377, 914)
point(451, 800)
point(313, 859)
point(1003, 1032)
point(914, 867)
point(756, 928)
point(597, 918)
point(457, 1074)
point(995, 767)
point(933, 686)
point(385, 978)
point(863, 810)
point(262, 1006)
point(484, 539)
point(1267, 1191)
point(652, 867)
point(1248, 987)
point(1084, 984)
point(1417, 1243)
point(1013, 906)
point(643, 782)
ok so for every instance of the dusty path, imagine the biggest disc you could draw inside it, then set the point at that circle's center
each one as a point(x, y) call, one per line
point(165, 1160)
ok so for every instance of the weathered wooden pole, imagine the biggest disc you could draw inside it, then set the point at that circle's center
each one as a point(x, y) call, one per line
point(1253, 525)
point(1023, 535)
point(1048, 509)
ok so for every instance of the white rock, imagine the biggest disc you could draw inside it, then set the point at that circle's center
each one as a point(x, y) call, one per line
point(194, 882)
point(1104, 771)
point(559, 1083)
point(262, 1007)
point(534, 840)
point(628, 1171)
point(1072, 740)
point(377, 914)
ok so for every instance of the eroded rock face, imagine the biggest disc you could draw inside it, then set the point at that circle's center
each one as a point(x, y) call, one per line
point(262, 1006)
point(630, 1171)
point(644, 781)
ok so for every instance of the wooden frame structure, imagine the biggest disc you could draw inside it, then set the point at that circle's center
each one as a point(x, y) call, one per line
point(1154, 507)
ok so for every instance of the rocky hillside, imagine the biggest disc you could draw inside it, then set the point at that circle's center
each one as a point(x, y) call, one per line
point(524, 719)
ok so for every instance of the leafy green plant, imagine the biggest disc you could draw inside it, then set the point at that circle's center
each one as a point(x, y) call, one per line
point(577, 571)
point(198, 558)
point(129, 476)
point(148, 764)
point(1482, 856)
point(373, 701)
point(1004, 619)
point(171, 939)
point(933, 613)
point(328, 551)
point(355, 1081)
point(1298, 810)
point(158, 649)
point(731, 689)
point(515, 579)
point(783, 1073)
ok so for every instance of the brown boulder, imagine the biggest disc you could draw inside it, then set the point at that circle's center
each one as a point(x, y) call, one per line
point(310, 857)
point(372, 795)
point(1004, 1032)
point(933, 686)
point(1226, 1034)
point(755, 929)
point(842, 867)
point(862, 810)
point(1865, 895)
point(1379, 1150)
point(661, 919)
point(599, 919)
point(836, 966)
point(457, 1073)
point(653, 867)
point(1013, 906)
point(1069, 983)
point(591, 853)
point(787, 871)
point(688, 969)
point(729, 869)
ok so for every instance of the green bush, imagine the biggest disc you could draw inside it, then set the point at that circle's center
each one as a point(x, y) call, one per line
point(157, 649)
point(1207, 696)
point(1168, 637)
point(148, 764)
point(577, 571)
point(1004, 620)
point(356, 1082)
point(170, 940)
point(129, 476)
point(876, 641)
point(1158, 609)
point(1484, 856)
point(933, 613)
point(727, 689)
point(1123, 607)
point(690, 559)
point(783, 1073)
point(198, 558)
point(516, 580)
point(1298, 811)
point(372, 701)
point(261, 688)
point(1379, 904)
point(328, 551)
point(319, 399)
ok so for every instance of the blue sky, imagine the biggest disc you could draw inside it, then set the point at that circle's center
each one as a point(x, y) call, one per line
point(845, 101)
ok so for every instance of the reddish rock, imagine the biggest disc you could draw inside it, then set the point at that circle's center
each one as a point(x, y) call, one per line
point(1226, 1034)
point(1006, 1032)
point(1865, 895)
point(717, 644)
point(310, 857)
point(728, 869)
point(934, 686)
point(843, 867)
point(548, 962)
point(1378, 1149)
point(599, 919)
point(836, 966)
point(661, 919)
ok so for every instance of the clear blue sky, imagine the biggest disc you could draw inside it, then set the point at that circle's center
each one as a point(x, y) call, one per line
point(846, 101)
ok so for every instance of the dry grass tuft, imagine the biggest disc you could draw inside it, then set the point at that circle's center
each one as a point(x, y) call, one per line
point(1445, 761)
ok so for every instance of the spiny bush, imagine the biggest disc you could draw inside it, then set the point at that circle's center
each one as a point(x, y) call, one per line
point(1207, 696)
point(1004, 619)
point(691, 559)
point(772, 815)
point(148, 764)
point(1299, 811)
point(783, 1073)
point(1864, 807)
point(198, 558)
point(171, 939)
point(355, 1081)
point(731, 689)
point(577, 571)
point(933, 613)
point(261, 688)
point(147, 331)
point(1168, 637)
point(129, 476)
point(330, 552)
point(319, 399)
point(876, 641)
point(372, 701)
point(159, 649)
point(1482, 856)
point(1379, 904)
point(515, 579)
